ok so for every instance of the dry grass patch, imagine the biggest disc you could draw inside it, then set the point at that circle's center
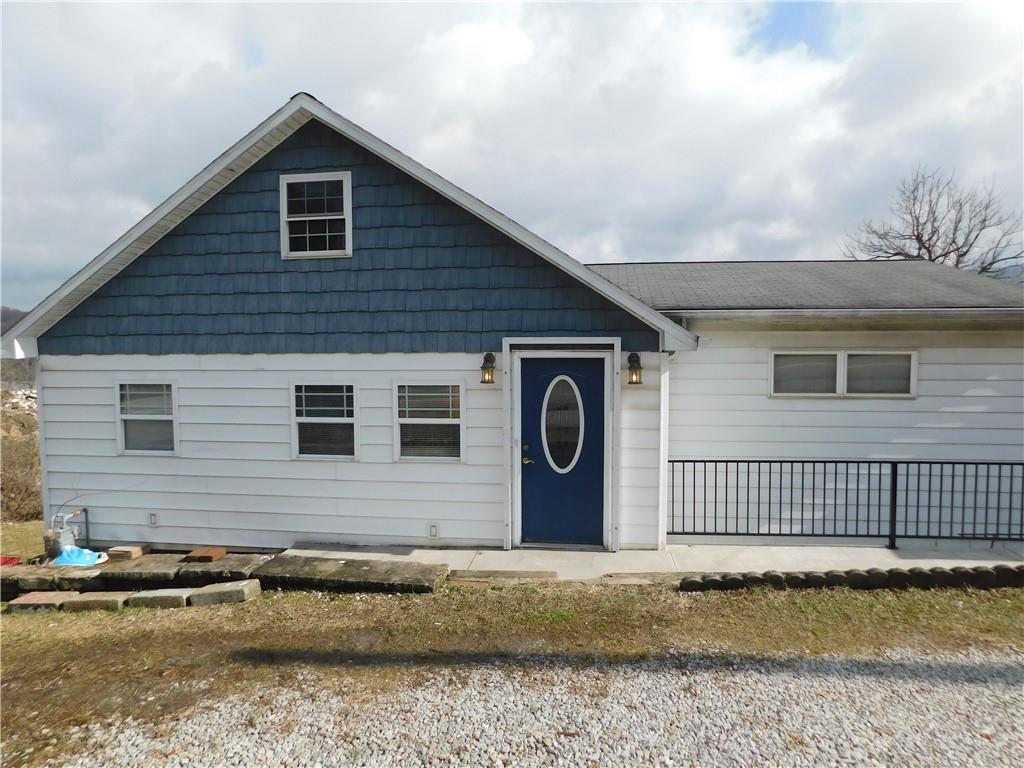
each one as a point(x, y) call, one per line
point(22, 539)
point(61, 669)
point(19, 463)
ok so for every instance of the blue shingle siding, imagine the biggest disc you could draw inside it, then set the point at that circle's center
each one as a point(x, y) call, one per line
point(426, 276)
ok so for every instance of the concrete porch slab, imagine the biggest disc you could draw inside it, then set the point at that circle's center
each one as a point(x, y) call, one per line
point(716, 557)
point(647, 566)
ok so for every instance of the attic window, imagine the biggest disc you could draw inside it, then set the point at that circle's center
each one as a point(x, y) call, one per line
point(316, 215)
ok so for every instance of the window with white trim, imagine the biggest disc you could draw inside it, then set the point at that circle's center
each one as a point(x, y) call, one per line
point(146, 413)
point(325, 423)
point(843, 373)
point(316, 215)
point(429, 421)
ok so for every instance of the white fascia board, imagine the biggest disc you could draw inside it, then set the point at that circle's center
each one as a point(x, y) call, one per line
point(303, 106)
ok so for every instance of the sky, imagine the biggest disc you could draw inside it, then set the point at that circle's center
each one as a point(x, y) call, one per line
point(616, 132)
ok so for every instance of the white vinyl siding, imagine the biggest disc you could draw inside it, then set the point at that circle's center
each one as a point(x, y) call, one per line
point(235, 480)
point(969, 402)
point(640, 457)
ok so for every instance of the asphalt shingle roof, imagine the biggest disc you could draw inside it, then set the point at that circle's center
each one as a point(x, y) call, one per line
point(809, 285)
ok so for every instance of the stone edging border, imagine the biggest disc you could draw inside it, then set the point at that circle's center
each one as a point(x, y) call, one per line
point(979, 577)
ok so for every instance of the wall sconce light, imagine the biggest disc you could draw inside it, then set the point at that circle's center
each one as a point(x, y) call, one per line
point(487, 369)
point(635, 369)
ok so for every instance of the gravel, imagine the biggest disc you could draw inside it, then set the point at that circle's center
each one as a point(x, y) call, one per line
point(687, 709)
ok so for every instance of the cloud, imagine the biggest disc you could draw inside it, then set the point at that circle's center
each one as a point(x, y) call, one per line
point(617, 132)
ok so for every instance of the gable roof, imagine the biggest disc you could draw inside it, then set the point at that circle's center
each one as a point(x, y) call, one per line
point(694, 287)
point(300, 109)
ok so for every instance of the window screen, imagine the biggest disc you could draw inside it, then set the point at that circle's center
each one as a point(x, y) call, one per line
point(876, 374)
point(325, 419)
point(428, 421)
point(147, 417)
point(326, 439)
point(805, 374)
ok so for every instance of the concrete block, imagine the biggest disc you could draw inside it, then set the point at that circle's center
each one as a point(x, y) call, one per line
point(713, 581)
point(921, 578)
point(795, 579)
point(232, 567)
point(1006, 575)
point(148, 571)
point(38, 601)
point(78, 579)
point(227, 592)
point(97, 601)
point(775, 578)
point(754, 579)
point(205, 554)
point(693, 584)
point(159, 598)
point(835, 578)
point(857, 579)
point(298, 572)
point(898, 578)
point(943, 577)
point(877, 578)
point(31, 578)
point(815, 579)
point(982, 577)
point(127, 552)
point(733, 581)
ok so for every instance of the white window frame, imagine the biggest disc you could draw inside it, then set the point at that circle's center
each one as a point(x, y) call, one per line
point(397, 422)
point(840, 392)
point(120, 418)
point(295, 420)
point(346, 178)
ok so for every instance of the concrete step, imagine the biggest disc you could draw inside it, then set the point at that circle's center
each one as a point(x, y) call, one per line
point(328, 574)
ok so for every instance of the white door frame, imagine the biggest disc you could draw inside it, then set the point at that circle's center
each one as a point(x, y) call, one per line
point(547, 347)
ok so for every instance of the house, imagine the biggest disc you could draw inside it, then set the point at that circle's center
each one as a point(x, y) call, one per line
point(319, 339)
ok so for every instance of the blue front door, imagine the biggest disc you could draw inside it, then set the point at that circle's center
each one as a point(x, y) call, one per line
point(562, 447)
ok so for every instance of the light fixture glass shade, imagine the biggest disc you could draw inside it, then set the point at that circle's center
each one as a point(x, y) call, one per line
point(487, 369)
point(635, 369)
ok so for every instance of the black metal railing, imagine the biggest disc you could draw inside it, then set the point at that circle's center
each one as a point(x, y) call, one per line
point(847, 498)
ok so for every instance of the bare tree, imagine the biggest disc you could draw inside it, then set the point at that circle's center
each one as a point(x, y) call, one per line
point(934, 219)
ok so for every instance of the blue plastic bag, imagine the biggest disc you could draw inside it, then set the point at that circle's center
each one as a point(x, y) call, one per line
point(77, 556)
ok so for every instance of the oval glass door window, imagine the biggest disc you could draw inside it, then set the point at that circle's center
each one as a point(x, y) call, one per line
point(562, 424)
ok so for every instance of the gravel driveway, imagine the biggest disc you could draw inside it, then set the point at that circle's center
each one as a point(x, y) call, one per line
point(684, 710)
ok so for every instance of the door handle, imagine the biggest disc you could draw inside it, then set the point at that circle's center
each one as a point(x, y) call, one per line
point(527, 460)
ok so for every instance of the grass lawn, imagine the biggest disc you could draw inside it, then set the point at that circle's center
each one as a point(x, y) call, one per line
point(64, 669)
point(25, 539)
